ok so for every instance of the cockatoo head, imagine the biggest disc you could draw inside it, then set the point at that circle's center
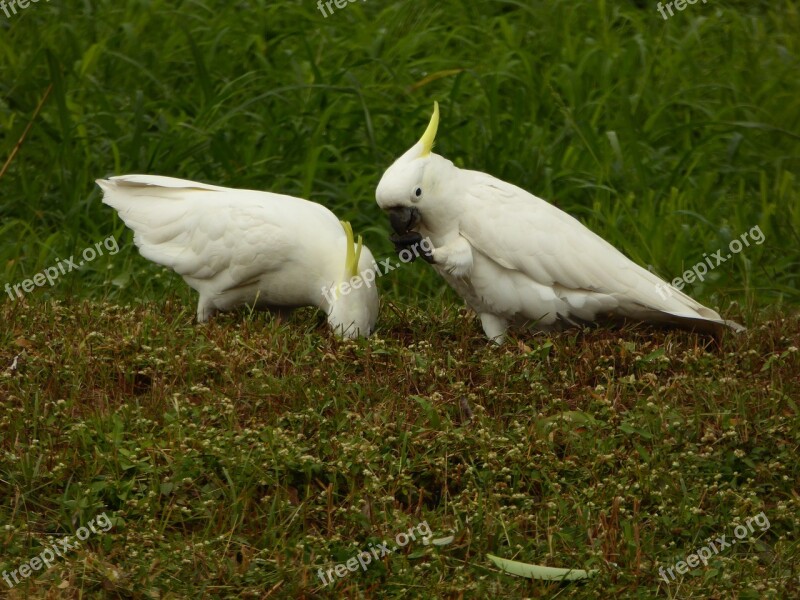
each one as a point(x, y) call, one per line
point(414, 189)
point(353, 301)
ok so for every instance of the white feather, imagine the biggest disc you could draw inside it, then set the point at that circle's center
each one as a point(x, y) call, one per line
point(240, 247)
point(568, 270)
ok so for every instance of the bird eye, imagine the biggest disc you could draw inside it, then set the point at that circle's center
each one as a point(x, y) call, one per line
point(418, 192)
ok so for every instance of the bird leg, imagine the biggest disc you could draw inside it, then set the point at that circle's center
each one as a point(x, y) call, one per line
point(205, 310)
point(494, 327)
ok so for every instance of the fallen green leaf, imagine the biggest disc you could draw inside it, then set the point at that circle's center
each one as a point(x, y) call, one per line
point(521, 569)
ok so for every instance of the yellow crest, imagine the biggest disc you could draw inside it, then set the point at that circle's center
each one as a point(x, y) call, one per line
point(430, 133)
point(353, 255)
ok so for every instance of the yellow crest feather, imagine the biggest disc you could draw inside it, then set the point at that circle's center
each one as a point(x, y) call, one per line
point(430, 133)
point(353, 255)
point(357, 258)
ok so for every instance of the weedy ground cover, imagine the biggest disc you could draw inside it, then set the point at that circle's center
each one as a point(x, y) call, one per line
point(242, 456)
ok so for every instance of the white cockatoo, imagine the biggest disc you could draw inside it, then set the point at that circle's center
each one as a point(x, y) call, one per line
point(244, 247)
point(517, 259)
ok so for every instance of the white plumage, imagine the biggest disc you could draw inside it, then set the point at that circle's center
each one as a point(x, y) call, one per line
point(517, 259)
point(239, 247)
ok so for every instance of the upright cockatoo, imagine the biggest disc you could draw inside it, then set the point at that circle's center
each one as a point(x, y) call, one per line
point(517, 259)
point(238, 247)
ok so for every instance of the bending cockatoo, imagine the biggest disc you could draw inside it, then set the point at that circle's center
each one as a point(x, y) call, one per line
point(238, 247)
point(517, 259)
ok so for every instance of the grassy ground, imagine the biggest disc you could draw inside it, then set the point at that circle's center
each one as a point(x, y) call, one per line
point(237, 458)
point(240, 457)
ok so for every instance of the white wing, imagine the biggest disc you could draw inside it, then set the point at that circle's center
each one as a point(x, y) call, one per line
point(525, 234)
point(226, 236)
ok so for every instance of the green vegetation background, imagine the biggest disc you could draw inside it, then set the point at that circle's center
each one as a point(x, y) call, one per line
point(237, 458)
point(668, 138)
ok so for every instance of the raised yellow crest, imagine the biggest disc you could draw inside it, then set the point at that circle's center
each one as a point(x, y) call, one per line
point(430, 133)
point(353, 255)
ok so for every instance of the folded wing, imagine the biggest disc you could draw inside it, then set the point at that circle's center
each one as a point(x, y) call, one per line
point(526, 234)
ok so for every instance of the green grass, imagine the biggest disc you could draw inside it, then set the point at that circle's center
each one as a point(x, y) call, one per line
point(667, 138)
point(237, 458)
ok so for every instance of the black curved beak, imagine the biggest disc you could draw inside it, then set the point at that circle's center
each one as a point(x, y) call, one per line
point(403, 218)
